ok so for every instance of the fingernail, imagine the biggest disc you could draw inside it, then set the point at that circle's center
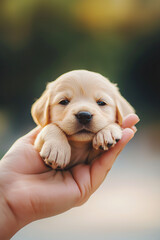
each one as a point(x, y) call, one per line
point(138, 119)
point(134, 129)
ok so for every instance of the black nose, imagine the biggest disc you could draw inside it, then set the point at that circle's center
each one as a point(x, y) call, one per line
point(84, 117)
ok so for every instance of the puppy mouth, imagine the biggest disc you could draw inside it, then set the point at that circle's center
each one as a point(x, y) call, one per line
point(84, 131)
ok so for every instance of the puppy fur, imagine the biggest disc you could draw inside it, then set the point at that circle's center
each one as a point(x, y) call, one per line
point(81, 115)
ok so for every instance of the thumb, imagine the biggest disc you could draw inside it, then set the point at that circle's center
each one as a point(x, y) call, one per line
point(102, 165)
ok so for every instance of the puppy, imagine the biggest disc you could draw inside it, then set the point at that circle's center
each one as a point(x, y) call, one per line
point(81, 114)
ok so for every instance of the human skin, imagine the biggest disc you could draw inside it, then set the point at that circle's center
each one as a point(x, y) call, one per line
point(29, 190)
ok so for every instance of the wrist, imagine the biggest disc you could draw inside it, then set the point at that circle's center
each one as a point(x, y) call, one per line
point(8, 221)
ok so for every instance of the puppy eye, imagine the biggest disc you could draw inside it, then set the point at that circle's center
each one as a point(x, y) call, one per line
point(64, 102)
point(101, 103)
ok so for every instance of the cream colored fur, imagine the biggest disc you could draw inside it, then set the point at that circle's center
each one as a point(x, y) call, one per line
point(61, 142)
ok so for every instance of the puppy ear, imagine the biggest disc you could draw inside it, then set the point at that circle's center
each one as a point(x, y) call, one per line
point(123, 108)
point(40, 109)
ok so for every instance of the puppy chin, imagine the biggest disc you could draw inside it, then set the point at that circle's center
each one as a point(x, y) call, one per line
point(81, 137)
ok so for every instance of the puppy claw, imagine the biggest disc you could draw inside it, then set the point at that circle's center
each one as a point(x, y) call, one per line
point(54, 165)
point(109, 145)
point(101, 148)
point(58, 167)
point(49, 164)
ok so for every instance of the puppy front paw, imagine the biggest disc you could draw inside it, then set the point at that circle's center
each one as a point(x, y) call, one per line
point(56, 154)
point(107, 137)
point(53, 147)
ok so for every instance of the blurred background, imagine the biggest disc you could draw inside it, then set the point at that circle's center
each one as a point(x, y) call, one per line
point(42, 39)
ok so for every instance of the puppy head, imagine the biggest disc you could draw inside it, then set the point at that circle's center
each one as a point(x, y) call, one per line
point(81, 103)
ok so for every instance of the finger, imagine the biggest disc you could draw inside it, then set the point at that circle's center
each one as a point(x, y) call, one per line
point(103, 164)
point(130, 121)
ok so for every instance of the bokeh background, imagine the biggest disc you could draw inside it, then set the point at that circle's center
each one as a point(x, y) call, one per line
point(40, 40)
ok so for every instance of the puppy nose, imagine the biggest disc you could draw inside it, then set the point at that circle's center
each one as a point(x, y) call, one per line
point(84, 117)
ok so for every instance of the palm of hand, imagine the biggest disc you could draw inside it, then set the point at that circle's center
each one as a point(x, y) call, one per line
point(38, 191)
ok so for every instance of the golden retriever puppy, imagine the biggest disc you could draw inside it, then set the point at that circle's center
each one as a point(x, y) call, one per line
point(81, 115)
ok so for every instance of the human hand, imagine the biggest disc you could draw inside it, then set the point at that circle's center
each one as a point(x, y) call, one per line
point(30, 190)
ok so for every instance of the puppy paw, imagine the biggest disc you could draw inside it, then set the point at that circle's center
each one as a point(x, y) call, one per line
point(56, 154)
point(107, 137)
point(53, 147)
